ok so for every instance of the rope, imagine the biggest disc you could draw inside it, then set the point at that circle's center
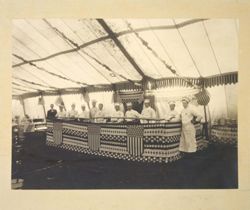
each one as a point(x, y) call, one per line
point(91, 30)
point(34, 83)
point(65, 38)
point(187, 49)
point(163, 47)
point(41, 59)
point(24, 86)
point(156, 55)
point(216, 60)
point(51, 73)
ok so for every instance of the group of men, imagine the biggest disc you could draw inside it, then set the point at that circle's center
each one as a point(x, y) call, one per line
point(148, 114)
point(188, 116)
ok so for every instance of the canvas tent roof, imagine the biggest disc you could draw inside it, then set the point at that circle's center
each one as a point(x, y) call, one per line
point(51, 54)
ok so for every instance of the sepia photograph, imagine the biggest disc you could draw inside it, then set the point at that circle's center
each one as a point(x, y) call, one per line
point(102, 103)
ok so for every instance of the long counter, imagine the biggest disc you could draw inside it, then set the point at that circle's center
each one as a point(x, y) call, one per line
point(151, 142)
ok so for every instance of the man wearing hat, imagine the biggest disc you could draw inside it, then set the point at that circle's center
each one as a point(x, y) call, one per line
point(172, 115)
point(188, 117)
point(148, 112)
point(61, 113)
point(73, 113)
point(94, 109)
point(84, 114)
point(130, 113)
point(100, 113)
point(51, 114)
point(117, 114)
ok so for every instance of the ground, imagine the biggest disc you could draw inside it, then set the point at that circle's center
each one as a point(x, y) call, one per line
point(43, 167)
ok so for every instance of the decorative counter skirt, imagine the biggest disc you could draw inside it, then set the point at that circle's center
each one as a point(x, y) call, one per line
point(224, 134)
point(146, 142)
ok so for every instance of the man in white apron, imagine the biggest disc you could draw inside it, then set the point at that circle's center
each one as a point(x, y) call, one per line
point(188, 140)
point(130, 113)
point(94, 109)
point(73, 113)
point(172, 115)
point(116, 114)
point(148, 112)
point(84, 114)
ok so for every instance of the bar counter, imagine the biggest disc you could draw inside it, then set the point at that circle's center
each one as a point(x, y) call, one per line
point(150, 142)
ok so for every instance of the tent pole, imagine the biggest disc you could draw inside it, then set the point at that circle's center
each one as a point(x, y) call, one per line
point(22, 102)
point(44, 111)
point(206, 123)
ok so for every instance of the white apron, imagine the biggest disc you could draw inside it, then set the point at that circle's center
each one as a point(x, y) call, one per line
point(188, 140)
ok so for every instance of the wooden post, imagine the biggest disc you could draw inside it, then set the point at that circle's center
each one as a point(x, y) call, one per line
point(44, 111)
point(206, 123)
point(22, 102)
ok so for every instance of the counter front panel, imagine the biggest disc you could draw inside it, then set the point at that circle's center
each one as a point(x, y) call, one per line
point(142, 142)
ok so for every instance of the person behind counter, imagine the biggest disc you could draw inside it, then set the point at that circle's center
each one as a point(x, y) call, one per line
point(51, 114)
point(148, 112)
point(116, 114)
point(172, 115)
point(61, 113)
point(130, 113)
point(188, 118)
point(94, 109)
point(100, 113)
point(73, 113)
point(84, 114)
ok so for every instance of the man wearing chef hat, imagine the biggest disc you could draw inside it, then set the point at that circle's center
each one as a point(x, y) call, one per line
point(148, 112)
point(100, 114)
point(172, 115)
point(117, 114)
point(73, 113)
point(84, 114)
point(188, 117)
point(94, 109)
point(130, 113)
point(61, 113)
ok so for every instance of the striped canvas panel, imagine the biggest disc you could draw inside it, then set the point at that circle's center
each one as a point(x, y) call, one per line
point(135, 140)
point(57, 133)
point(94, 137)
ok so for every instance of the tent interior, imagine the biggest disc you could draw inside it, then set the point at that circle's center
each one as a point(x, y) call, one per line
point(52, 57)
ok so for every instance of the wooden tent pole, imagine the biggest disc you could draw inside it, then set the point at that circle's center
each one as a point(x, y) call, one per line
point(206, 123)
point(44, 111)
point(22, 102)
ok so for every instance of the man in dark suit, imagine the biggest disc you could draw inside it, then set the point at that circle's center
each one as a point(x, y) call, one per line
point(51, 114)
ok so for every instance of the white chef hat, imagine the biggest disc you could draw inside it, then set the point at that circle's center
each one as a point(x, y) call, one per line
point(146, 101)
point(171, 103)
point(129, 104)
point(186, 99)
point(117, 104)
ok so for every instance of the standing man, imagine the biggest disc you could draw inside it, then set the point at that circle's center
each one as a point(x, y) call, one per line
point(100, 113)
point(148, 112)
point(117, 113)
point(94, 109)
point(61, 113)
point(51, 114)
point(188, 118)
point(73, 113)
point(172, 115)
point(84, 114)
point(130, 113)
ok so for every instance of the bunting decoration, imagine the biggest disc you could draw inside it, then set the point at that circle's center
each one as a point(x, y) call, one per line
point(131, 96)
point(203, 97)
point(41, 101)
